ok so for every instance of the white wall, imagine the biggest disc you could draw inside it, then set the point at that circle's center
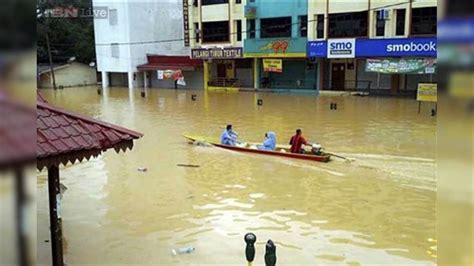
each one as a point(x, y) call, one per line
point(76, 74)
point(153, 21)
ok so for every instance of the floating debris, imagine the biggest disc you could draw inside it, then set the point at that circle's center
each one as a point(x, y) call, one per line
point(182, 250)
point(189, 165)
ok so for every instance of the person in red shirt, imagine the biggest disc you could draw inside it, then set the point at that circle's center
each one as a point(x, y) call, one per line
point(297, 141)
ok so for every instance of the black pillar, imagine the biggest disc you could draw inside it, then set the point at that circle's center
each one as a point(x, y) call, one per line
point(54, 217)
point(23, 254)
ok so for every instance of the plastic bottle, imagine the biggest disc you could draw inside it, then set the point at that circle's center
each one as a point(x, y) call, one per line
point(182, 250)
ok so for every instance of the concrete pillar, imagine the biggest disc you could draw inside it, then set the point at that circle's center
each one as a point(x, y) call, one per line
point(105, 79)
point(256, 74)
point(145, 80)
point(206, 74)
point(130, 79)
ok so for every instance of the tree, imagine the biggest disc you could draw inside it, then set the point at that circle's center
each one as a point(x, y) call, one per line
point(69, 36)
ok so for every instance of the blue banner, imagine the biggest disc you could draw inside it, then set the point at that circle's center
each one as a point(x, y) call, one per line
point(317, 49)
point(424, 47)
point(421, 47)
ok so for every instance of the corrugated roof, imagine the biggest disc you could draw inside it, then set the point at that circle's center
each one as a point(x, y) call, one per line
point(64, 137)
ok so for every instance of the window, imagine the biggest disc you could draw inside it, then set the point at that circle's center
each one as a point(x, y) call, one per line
point(239, 30)
point(238, 1)
point(348, 25)
point(197, 32)
point(113, 17)
point(400, 26)
point(303, 26)
point(196, 3)
point(320, 27)
point(251, 28)
point(423, 21)
point(275, 27)
point(215, 31)
point(380, 23)
point(213, 2)
point(115, 50)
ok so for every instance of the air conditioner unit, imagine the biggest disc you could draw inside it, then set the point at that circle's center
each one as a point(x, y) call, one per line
point(383, 14)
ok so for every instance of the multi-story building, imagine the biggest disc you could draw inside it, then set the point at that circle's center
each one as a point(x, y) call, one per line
point(384, 45)
point(132, 31)
point(216, 37)
point(276, 39)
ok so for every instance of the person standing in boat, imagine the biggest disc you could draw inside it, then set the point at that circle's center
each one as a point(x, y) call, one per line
point(229, 137)
point(270, 142)
point(297, 141)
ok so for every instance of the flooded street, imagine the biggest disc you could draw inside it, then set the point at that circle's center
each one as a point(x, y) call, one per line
point(379, 208)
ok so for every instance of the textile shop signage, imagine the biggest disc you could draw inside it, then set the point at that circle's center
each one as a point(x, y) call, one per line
point(273, 65)
point(427, 92)
point(217, 53)
point(186, 22)
point(401, 65)
point(344, 48)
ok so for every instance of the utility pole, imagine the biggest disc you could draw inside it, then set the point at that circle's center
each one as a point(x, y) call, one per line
point(50, 62)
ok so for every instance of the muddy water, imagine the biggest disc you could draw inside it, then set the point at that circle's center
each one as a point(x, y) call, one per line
point(379, 208)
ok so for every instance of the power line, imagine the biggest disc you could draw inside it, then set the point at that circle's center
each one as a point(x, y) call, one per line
point(242, 32)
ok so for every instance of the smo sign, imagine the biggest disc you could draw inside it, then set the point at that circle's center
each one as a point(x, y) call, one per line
point(341, 48)
point(425, 47)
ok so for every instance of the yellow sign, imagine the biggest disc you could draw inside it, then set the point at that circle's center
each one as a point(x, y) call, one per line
point(427, 92)
point(273, 65)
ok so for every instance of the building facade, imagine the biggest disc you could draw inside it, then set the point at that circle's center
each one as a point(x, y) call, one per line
point(133, 30)
point(276, 41)
point(216, 37)
point(389, 46)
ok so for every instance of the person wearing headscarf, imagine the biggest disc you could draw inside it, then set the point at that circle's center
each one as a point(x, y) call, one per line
point(229, 137)
point(270, 142)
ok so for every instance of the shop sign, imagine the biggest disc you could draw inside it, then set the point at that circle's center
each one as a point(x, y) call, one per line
point(401, 65)
point(273, 65)
point(186, 22)
point(276, 46)
point(341, 48)
point(217, 53)
point(250, 12)
point(317, 49)
point(396, 47)
point(427, 92)
point(169, 74)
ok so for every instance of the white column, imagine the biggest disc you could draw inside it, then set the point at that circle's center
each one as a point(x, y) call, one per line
point(145, 79)
point(105, 79)
point(130, 80)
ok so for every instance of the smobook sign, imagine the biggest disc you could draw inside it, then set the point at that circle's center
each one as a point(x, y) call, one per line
point(341, 48)
point(347, 48)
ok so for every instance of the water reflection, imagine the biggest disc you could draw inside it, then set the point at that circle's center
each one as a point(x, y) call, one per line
point(377, 209)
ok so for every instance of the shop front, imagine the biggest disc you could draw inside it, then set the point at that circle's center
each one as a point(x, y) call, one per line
point(281, 64)
point(224, 68)
point(385, 66)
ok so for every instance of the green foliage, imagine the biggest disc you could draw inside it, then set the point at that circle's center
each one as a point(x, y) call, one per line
point(69, 37)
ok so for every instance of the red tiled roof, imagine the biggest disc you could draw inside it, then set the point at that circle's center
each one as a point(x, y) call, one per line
point(17, 145)
point(162, 62)
point(64, 137)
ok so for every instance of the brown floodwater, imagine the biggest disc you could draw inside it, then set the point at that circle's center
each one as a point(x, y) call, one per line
point(378, 208)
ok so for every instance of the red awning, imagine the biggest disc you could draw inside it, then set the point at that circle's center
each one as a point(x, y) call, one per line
point(161, 62)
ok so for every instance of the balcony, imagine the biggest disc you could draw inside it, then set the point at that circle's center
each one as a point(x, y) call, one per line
point(275, 47)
